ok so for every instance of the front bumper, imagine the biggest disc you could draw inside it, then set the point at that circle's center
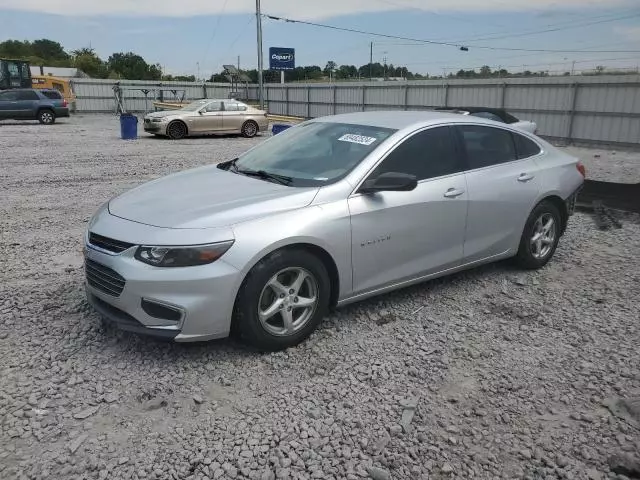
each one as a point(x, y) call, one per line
point(154, 127)
point(199, 299)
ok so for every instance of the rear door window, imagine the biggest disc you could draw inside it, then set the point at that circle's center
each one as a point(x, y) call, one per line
point(27, 95)
point(52, 95)
point(486, 146)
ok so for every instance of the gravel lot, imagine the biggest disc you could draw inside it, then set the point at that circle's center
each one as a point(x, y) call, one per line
point(609, 165)
point(493, 373)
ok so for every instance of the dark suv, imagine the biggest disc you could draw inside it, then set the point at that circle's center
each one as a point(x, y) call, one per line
point(33, 104)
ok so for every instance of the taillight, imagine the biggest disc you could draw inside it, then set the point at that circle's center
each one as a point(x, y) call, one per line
point(581, 169)
point(64, 102)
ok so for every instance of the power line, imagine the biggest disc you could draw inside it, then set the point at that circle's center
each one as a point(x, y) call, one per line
point(215, 29)
point(241, 33)
point(434, 42)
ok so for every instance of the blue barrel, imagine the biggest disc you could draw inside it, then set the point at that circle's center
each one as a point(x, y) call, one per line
point(128, 126)
point(279, 127)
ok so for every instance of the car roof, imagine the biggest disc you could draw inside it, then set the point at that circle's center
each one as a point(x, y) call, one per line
point(399, 120)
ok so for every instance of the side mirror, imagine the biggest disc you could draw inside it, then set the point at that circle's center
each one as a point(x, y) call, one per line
point(201, 112)
point(390, 182)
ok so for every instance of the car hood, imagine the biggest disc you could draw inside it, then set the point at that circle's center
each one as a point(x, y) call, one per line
point(207, 197)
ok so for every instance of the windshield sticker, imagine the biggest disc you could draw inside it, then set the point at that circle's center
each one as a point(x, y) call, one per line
point(353, 138)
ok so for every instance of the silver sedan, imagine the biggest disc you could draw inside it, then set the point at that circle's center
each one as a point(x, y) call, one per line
point(329, 212)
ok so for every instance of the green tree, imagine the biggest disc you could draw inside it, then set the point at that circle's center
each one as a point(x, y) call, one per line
point(15, 49)
point(133, 67)
point(85, 59)
point(330, 68)
point(48, 50)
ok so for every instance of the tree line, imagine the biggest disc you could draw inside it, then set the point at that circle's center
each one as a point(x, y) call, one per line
point(131, 66)
point(315, 73)
point(126, 65)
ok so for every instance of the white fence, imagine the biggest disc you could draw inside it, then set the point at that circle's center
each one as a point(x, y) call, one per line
point(598, 109)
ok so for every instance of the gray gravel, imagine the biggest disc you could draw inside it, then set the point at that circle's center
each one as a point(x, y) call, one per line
point(609, 165)
point(494, 373)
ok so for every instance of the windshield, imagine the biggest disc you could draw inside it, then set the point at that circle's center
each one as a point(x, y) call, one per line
point(197, 105)
point(315, 153)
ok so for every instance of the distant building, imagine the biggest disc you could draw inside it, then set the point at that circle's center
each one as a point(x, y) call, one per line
point(61, 72)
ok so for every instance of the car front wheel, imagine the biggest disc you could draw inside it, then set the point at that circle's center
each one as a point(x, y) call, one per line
point(176, 130)
point(540, 236)
point(282, 300)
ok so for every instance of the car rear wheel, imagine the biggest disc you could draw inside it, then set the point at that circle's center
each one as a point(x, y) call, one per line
point(540, 236)
point(46, 117)
point(249, 129)
point(176, 130)
point(282, 300)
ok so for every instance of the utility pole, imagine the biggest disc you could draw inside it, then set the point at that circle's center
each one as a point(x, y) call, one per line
point(573, 67)
point(260, 81)
point(238, 63)
point(371, 61)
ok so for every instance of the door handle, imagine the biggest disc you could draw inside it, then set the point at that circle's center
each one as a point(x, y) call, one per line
point(453, 193)
point(525, 177)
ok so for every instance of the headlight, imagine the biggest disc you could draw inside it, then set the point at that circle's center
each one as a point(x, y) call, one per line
point(182, 256)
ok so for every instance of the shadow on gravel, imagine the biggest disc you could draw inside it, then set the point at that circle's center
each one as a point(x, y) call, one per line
point(29, 123)
point(163, 138)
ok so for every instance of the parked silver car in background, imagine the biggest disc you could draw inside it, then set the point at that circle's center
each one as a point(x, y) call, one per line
point(208, 116)
point(331, 211)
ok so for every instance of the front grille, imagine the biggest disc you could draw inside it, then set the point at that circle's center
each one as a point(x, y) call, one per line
point(103, 278)
point(109, 244)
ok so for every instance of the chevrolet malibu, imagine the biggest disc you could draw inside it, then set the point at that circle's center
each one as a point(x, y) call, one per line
point(329, 212)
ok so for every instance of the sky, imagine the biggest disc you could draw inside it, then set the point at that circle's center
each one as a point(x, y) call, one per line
point(199, 36)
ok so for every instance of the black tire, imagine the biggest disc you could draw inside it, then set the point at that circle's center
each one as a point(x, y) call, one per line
point(536, 254)
point(249, 129)
point(46, 117)
point(246, 322)
point(176, 130)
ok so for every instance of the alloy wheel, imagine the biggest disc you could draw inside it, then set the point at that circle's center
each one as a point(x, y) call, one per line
point(250, 129)
point(288, 301)
point(46, 117)
point(543, 236)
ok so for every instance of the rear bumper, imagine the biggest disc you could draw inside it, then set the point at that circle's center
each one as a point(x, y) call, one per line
point(61, 111)
point(263, 126)
point(571, 201)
